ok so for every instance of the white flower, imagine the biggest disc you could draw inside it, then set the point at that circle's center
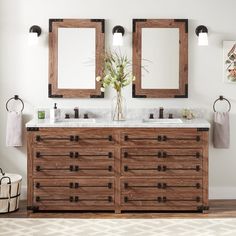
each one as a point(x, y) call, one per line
point(102, 89)
point(98, 78)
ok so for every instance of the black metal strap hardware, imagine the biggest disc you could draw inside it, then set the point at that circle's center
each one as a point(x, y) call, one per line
point(74, 185)
point(71, 138)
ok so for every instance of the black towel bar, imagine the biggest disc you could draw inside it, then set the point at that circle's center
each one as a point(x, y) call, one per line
point(16, 97)
point(221, 98)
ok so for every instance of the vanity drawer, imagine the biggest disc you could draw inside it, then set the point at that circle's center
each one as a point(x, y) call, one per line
point(73, 168)
point(85, 155)
point(73, 137)
point(140, 186)
point(163, 137)
point(165, 169)
point(139, 155)
point(74, 193)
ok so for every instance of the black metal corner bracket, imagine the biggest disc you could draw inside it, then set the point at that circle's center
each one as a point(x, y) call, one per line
point(135, 21)
point(102, 22)
point(51, 22)
point(134, 93)
point(50, 95)
point(97, 96)
point(186, 23)
point(185, 95)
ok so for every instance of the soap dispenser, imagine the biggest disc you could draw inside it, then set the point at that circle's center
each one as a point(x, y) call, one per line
point(54, 114)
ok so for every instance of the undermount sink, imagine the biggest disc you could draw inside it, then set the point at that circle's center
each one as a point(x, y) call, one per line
point(164, 121)
point(79, 120)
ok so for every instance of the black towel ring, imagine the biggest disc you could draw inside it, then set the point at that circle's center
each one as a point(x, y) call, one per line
point(220, 99)
point(16, 97)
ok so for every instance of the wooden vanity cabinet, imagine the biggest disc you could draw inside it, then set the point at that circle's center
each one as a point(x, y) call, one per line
point(117, 169)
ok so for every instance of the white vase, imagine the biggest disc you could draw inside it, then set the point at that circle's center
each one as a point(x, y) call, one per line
point(118, 107)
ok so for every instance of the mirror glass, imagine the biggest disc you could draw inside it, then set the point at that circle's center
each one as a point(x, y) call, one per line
point(160, 58)
point(76, 58)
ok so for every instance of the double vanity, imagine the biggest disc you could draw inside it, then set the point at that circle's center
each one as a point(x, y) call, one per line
point(100, 165)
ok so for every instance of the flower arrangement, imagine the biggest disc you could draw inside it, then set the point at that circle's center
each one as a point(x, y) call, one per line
point(117, 73)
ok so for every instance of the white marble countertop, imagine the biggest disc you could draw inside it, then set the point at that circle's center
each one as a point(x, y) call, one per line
point(194, 123)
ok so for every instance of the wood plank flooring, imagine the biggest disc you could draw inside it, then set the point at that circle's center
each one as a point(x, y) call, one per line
point(218, 209)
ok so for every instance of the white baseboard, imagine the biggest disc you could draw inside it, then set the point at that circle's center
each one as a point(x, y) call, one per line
point(222, 193)
point(214, 192)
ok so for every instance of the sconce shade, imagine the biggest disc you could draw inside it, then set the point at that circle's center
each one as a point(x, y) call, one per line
point(34, 33)
point(202, 33)
point(118, 32)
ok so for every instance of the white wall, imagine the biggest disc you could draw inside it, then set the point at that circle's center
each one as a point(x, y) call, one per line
point(24, 70)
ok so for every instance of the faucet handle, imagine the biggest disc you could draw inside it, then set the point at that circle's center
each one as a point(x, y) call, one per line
point(86, 116)
point(151, 116)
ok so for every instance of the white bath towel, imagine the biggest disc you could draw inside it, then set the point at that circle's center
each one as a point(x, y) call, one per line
point(14, 129)
point(221, 132)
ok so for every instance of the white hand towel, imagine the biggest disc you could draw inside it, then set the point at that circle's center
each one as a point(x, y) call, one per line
point(14, 129)
point(221, 132)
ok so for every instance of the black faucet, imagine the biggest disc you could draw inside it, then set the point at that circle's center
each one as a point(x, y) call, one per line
point(76, 110)
point(161, 110)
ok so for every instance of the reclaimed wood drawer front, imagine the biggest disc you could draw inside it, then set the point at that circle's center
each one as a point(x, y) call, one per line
point(73, 168)
point(139, 155)
point(73, 137)
point(162, 137)
point(140, 186)
point(69, 154)
point(104, 186)
point(172, 169)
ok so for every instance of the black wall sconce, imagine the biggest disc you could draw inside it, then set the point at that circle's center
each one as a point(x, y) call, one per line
point(202, 33)
point(118, 32)
point(34, 32)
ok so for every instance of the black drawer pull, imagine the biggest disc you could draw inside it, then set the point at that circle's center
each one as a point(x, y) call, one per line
point(109, 168)
point(38, 168)
point(126, 168)
point(37, 185)
point(109, 199)
point(126, 199)
point(164, 138)
point(164, 154)
point(126, 138)
point(159, 199)
point(197, 154)
point(38, 138)
point(197, 168)
point(164, 168)
point(71, 154)
point(71, 138)
point(37, 198)
point(74, 185)
point(110, 138)
point(109, 185)
point(159, 185)
point(126, 154)
point(76, 154)
point(159, 138)
point(71, 199)
point(198, 199)
point(198, 185)
point(74, 168)
point(76, 138)
point(159, 168)
point(109, 154)
point(159, 154)
point(126, 185)
point(76, 198)
point(198, 138)
point(164, 199)
point(38, 154)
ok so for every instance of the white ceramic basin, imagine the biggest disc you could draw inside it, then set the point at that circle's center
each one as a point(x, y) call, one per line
point(80, 120)
point(164, 121)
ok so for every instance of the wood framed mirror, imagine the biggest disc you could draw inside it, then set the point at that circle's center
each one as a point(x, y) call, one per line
point(160, 58)
point(76, 50)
